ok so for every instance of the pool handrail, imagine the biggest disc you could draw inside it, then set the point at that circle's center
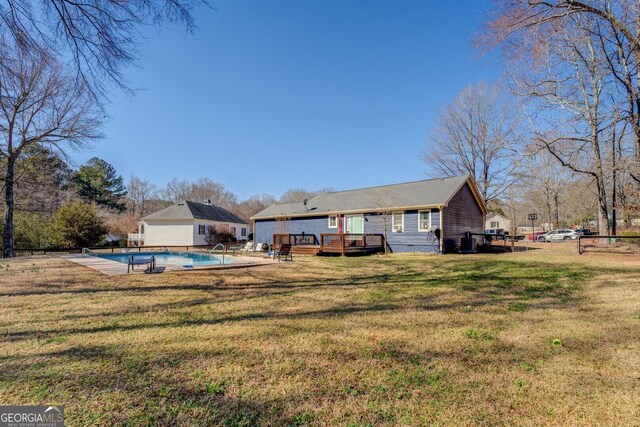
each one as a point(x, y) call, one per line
point(86, 251)
point(224, 250)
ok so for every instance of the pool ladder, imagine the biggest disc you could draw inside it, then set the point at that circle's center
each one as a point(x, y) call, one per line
point(86, 251)
point(224, 250)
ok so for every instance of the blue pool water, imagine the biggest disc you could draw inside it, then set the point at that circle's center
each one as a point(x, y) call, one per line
point(184, 259)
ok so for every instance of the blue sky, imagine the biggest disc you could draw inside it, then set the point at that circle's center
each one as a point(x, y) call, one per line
point(270, 95)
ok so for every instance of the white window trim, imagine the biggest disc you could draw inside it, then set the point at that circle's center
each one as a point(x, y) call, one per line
point(329, 221)
point(420, 222)
point(393, 221)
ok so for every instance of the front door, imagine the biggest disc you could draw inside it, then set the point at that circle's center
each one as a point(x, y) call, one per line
point(354, 224)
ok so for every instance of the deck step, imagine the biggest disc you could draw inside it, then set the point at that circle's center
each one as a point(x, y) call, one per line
point(306, 250)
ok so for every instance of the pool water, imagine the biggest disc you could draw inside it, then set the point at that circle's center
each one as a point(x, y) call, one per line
point(184, 259)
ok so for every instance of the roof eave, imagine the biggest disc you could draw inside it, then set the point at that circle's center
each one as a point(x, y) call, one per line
point(343, 212)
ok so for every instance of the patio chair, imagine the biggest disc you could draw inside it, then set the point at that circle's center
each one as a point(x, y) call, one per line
point(248, 247)
point(150, 262)
point(284, 250)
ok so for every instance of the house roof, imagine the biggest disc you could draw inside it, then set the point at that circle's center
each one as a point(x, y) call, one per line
point(416, 194)
point(195, 210)
point(492, 215)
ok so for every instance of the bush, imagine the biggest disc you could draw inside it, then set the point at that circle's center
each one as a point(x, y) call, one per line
point(215, 236)
point(78, 224)
point(32, 230)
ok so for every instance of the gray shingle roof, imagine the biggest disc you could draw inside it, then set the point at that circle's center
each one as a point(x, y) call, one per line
point(194, 210)
point(430, 192)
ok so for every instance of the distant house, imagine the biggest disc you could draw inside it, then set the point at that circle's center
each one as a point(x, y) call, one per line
point(495, 220)
point(420, 216)
point(186, 224)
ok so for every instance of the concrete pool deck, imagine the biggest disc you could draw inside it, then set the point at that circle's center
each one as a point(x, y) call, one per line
point(115, 268)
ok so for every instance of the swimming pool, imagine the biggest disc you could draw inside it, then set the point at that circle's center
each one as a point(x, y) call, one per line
point(184, 259)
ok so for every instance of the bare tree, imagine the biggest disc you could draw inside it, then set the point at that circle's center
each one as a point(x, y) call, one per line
point(176, 190)
point(528, 28)
point(254, 204)
point(202, 190)
point(546, 184)
point(572, 100)
point(205, 190)
point(99, 36)
point(476, 135)
point(139, 191)
point(40, 105)
point(381, 202)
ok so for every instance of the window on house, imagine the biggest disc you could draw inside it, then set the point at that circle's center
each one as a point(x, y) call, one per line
point(232, 230)
point(397, 222)
point(243, 231)
point(333, 221)
point(424, 220)
point(495, 224)
point(142, 228)
point(201, 229)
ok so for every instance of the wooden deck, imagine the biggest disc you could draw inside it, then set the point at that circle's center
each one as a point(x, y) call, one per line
point(341, 244)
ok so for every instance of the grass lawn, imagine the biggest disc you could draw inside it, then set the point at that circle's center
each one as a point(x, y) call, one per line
point(401, 340)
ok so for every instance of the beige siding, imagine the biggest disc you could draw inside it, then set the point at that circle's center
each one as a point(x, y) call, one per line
point(199, 239)
point(168, 233)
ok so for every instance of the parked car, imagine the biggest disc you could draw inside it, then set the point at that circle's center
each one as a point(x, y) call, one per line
point(557, 235)
point(535, 235)
point(583, 231)
point(542, 237)
point(496, 233)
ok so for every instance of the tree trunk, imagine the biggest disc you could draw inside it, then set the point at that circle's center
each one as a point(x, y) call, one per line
point(385, 220)
point(613, 189)
point(556, 205)
point(7, 232)
point(603, 217)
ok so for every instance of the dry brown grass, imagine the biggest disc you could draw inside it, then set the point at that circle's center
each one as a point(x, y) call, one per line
point(403, 340)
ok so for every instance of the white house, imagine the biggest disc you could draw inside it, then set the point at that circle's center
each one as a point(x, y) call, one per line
point(495, 220)
point(186, 224)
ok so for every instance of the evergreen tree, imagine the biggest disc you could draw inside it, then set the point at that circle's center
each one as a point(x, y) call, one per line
point(98, 182)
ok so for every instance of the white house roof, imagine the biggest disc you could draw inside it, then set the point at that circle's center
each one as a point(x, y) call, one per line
point(194, 210)
point(430, 192)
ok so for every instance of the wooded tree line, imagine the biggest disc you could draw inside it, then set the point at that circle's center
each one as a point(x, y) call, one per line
point(561, 131)
point(58, 61)
point(58, 206)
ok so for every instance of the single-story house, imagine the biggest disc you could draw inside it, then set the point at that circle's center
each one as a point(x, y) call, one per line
point(495, 220)
point(422, 216)
point(187, 223)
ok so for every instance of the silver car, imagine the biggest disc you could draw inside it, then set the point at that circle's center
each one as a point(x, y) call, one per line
point(557, 235)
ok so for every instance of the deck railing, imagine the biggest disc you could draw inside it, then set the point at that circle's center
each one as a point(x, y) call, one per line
point(343, 243)
point(334, 242)
point(295, 239)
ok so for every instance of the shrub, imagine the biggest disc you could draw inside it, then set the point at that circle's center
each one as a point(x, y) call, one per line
point(78, 224)
point(215, 236)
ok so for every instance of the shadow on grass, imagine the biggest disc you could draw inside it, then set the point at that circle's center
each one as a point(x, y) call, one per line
point(474, 282)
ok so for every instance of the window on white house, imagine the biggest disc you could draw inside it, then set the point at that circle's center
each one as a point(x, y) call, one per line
point(424, 220)
point(333, 221)
point(397, 222)
point(201, 229)
point(495, 224)
point(243, 231)
point(232, 230)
